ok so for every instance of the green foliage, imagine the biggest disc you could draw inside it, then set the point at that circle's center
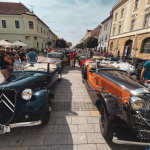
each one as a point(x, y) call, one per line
point(61, 43)
point(80, 45)
point(90, 42)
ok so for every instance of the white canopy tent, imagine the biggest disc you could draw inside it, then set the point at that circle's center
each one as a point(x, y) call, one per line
point(4, 43)
point(18, 43)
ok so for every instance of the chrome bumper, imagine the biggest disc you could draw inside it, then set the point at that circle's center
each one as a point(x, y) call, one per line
point(25, 124)
point(117, 141)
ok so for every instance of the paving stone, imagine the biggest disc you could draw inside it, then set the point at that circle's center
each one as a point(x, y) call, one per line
point(86, 128)
point(63, 121)
point(34, 140)
point(93, 120)
point(95, 138)
point(40, 148)
point(78, 138)
point(67, 129)
point(96, 127)
point(64, 147)
point(52, 121)
point(94, 113)
point(87, 147)
point(79, 120)
point(127, 147)
point(55, 139)
point(8, 141)
point(14, 148)
point(48, 129)
point(83, 113)
point(104, 147)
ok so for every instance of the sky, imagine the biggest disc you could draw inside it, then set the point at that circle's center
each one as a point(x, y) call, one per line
point(70, 19)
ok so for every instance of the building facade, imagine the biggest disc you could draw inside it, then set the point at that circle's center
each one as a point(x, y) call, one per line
point(104, 34)
point(18, 23)
point(130, 29)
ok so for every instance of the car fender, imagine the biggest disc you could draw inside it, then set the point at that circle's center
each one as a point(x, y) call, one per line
point(110, 103)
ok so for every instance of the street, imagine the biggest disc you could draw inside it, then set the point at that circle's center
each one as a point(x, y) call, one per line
point(73, 125)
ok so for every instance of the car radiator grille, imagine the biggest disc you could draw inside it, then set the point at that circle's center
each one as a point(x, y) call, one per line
point(143, 129)
point(7, 105)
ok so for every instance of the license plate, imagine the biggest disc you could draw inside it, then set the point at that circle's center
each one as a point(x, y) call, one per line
point(4, 129)
point(148, 148)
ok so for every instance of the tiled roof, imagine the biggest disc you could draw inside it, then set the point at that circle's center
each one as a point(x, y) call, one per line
point(12, 8)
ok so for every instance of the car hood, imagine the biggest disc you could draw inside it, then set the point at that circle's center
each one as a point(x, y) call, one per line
point(122, 81)
point(21, 80)
point(52, 60)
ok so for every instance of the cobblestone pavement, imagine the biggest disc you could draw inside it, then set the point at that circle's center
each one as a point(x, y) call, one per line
point(74, 123)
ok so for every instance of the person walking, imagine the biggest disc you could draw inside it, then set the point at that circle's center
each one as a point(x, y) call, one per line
point(145, 73)
point(45, 52)
point(32, 56)
point(74, 56)
point(5, 61)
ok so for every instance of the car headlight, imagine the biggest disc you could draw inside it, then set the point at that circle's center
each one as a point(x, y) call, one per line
point(27, 94)
point(136, 103)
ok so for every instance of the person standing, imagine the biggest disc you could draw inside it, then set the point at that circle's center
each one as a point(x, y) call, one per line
point(5, 61)
point(74, 56)
point(145, 73)
point(91, 54)
point(45, 52)
point(71, 59)
point(37, 49)
point(32, 56)
point(23, 55)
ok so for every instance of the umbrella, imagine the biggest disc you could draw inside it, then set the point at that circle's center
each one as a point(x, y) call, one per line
point(4, 43)
point(18, 43)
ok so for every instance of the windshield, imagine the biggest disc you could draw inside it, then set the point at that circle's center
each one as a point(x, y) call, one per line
point(54, 56)
point(27, 66)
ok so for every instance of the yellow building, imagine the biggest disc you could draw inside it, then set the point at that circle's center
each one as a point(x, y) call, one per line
point(18, 23)
point(130, 31)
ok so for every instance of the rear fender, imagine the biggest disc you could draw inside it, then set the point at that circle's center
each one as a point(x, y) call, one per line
point(110, 103)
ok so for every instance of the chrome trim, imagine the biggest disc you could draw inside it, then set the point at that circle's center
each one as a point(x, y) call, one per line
point(145, 131)
point(7, 105)
point(25, 124)
point(139, 91)
point(115, 140)
point(8, 100)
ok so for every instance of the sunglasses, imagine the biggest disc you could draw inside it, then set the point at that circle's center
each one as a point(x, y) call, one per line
point(7, 48)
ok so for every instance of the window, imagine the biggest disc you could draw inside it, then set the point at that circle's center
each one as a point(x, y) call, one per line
point(116, 16)
point(114, 30)
point(133, 25)
point(41, 30)
point(4, 24)
point(122, 13)
point(147, 20)
point(136, 4)
point(17, 24)
point(120, 26)
point(31, 25)
point(37, 28)
point(106, 37)
point(105, 26)
point(111, 46)
point(44, 31)
point(146, 46)
point(47, 33)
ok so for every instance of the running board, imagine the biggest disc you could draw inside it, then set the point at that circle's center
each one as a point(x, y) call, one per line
point(88, 86)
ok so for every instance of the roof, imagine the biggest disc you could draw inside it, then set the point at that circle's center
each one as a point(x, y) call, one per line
point(7, 8)
point(109, 18)
point(12, 8)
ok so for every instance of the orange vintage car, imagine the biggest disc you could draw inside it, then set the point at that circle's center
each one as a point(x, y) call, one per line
point(124, 105)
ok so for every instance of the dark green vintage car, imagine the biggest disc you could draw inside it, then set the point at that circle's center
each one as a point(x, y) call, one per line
point(25, 97)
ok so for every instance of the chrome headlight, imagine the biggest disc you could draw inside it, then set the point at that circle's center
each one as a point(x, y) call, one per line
point(136, 103)
point(27, 94)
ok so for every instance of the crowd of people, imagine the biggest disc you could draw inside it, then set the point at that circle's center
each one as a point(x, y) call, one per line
point(8, 56)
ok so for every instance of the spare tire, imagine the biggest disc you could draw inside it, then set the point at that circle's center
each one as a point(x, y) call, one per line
point(84, 72)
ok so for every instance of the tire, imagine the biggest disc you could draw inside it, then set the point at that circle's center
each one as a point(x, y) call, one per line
point(46, 115)
point(84, 75)
point(134, 76)
point(105, 124)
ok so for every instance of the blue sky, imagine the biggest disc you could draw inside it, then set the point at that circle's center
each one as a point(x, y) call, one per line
point(69, 19)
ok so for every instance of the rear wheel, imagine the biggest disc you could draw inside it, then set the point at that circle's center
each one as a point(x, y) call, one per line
point(84, 72)
point(46, 114)
point(105, 124)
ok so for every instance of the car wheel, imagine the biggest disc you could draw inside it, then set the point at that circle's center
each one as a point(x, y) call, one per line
point(134, 76)
point(105, 124)
point(84, 75)
point(46, 115)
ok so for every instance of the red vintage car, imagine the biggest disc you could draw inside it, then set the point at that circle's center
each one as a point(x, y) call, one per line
point(84, 60)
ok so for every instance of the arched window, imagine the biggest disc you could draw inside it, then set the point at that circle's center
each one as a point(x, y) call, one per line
point(147, 22)
point(111, 46)
point(146, 46)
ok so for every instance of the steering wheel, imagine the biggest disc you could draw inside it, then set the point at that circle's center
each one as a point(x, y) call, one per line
point(41, 69)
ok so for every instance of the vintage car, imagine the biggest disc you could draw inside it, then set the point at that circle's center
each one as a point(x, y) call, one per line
point(98, 56)
point(25, 97)
point(56, 58)
point(124, 105)
point(84, 60)
point(81, 57)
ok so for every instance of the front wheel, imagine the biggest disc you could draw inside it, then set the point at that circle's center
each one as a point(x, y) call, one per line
point(105, 124)
point(134, 76)
point(46, 114)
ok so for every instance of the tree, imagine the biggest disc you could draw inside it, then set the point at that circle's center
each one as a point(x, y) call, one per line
point(80, 45)
point(90, 42)
point(61, 43)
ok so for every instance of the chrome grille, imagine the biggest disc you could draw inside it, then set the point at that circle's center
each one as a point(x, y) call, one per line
point(7, 105)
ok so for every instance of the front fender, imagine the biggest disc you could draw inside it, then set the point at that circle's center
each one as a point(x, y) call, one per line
point(36, 104)
point(110, 103)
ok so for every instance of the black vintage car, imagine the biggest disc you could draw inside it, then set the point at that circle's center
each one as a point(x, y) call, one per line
point(25, 97)
point(124, 105)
